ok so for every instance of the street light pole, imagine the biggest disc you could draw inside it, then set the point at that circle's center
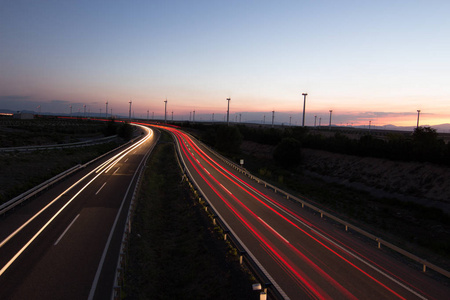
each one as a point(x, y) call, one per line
point(315, 119)
point(304, 105)
point(228, 112)
point(273, 117)
point(106, 111)
point(418, 114)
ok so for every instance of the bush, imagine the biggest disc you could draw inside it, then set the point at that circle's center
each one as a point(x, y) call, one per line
point(288, 153)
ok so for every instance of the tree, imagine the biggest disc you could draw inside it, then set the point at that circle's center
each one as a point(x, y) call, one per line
point(426, 145)
point(228, 139)
point(125, 131)
point(288, 153)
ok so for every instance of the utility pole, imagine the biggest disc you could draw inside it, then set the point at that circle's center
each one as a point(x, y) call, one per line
point(106, 111)
point(193, 116)
point(315, 119)
point(147, 114)
point(290, 118)
point(273, 117)
point(331, 111)
point(228, 112)
point(84, 106)
point(304, 104)
point(172, 115)
point(71, 110)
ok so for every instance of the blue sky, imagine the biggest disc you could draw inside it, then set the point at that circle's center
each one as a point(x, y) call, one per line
point(377, 60)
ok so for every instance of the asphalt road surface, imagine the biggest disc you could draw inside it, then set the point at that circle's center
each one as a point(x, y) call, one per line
point(65, 243)
point(304, 256)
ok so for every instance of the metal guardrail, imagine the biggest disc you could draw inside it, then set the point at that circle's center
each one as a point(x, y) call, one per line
point(37, 189)
point(380, 241)
point(269, 285)
point(5, 207)
point(59, 146)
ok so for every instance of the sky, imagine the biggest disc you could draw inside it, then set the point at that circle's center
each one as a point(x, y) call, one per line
point(367, 61)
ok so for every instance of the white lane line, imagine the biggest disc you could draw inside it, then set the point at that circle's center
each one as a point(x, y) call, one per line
point(226, 189)
point(100, 188)
point(126, 160)
point(57, 241)
point(274, 231)
point(207, 171)
point(116, 170)
point(197, 160)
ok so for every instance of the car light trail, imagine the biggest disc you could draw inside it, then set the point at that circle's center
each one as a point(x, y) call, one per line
point(98, 173)
point(247, 188)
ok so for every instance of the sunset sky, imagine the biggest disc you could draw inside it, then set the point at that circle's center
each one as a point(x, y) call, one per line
point(376, 61)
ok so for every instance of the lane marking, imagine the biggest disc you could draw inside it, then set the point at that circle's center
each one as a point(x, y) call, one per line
point(226, 189)
point(207, 171)
point(57, 241)
point(274, 230)
point(116, 170)
point(100, 188)
point(126, 160)
point(96, 170)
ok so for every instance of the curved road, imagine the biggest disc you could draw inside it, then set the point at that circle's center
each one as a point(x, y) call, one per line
point(65, 243)
point(305, 257)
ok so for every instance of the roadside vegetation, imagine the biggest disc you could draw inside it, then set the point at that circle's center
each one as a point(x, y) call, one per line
point(20, 171)
point(417, 228)
point(174, 251)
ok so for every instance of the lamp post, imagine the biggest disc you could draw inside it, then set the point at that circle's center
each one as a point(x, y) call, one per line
point(228, 112)
point(331, 111)
point(304, 104)
point(106, 111)
point(315, 119)
point(273, 117)
point(418, 114)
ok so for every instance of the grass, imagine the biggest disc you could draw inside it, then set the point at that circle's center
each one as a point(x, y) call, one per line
point(175, 252)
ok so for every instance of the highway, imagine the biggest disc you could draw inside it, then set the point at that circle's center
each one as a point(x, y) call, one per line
point(65, 243)
point(304, 256)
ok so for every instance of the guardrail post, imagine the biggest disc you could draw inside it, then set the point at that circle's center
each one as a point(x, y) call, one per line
point(241, 256)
